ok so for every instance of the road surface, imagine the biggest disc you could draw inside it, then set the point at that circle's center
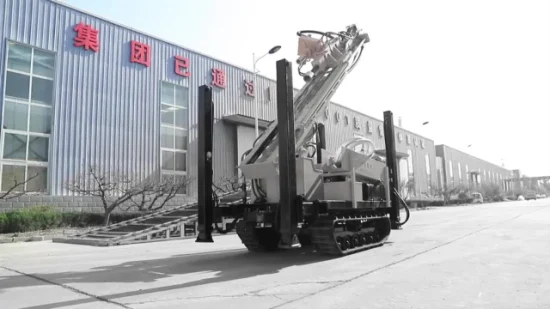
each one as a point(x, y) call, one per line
point(490, 256)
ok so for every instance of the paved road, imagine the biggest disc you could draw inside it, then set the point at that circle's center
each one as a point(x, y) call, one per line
point(491, 256)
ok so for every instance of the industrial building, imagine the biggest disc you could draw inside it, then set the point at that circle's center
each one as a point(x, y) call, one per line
point(78, 91)
point(459, 168)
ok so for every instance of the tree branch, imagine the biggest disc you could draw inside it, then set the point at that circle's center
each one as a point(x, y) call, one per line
point(12, 192)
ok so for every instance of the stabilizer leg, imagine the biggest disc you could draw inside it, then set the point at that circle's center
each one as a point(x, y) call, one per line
point(287, 160)
point(205, 171)
point(391, 163)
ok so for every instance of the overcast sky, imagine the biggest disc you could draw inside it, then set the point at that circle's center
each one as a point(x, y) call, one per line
point(478, 71)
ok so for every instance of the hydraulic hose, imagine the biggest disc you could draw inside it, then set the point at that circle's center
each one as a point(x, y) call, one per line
point(406, 209)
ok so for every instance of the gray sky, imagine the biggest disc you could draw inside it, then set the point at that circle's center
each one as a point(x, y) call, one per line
point(478, 71)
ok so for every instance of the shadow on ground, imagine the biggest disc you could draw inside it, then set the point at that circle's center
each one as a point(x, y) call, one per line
point(227, 266)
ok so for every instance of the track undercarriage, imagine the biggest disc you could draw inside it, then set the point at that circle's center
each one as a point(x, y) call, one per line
point(332, 233)
point(335, 235)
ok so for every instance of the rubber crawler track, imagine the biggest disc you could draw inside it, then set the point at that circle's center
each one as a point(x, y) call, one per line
point(257, 240)
point(339, 236)
point(330, 234)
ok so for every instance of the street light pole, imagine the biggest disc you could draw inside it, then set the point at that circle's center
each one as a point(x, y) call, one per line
point(273, 50)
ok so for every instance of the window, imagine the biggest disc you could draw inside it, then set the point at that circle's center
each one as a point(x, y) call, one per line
point(459, 173)
point(403, 171)
point(428, 164)
point(27, 117)
point(451, 177)
point(174, 116)
point(438, 168)
point(467, 174)
point(410, 163)
point(428, 171)
point(358, 148)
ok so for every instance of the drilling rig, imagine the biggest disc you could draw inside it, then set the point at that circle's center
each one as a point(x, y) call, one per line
point(341, 202)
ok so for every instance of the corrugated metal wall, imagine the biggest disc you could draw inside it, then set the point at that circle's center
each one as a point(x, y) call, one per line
point(490, 173)
point(107, 109)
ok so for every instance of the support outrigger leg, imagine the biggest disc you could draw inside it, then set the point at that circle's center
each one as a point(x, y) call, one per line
point(391, 163)
point(205, 171)
point(288, 223)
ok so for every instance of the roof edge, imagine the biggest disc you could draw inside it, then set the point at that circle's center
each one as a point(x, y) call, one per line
point(363, 114)
point(447, 146)
point(57, 2)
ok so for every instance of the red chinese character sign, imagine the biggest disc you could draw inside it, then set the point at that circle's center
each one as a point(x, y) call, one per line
point(218, 78)
point(86, 37)
point(249, 87)
point(181, 66)
point(140, 53)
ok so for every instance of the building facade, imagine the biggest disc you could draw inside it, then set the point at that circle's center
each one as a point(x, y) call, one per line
point(459, 168)
point(79, 91)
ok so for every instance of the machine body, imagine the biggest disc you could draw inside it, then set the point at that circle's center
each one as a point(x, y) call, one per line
point(340, 202)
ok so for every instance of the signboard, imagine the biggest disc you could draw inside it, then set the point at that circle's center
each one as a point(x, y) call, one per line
point(87, 37)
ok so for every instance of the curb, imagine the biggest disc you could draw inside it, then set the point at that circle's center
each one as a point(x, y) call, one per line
point(9, 240)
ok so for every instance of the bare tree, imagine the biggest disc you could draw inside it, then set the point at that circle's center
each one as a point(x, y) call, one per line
point(228, 184)
point(406, 188)
point(432, 193)
point(447, 192)
point(16, 186)
point(114, 190)
point(491, 191)
point(155, 195)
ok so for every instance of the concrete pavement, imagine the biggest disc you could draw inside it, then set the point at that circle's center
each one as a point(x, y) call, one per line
point(489, 256)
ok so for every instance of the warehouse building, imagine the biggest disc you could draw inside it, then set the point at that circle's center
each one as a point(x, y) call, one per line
point(456, 168)
point(80, 91)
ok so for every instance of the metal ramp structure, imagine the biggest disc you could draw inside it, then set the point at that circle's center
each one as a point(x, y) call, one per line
point(170, 224)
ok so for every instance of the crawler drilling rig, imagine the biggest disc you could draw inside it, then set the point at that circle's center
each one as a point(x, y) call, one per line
point(341, 202)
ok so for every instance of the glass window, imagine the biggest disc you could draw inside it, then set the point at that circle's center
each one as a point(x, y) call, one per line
point(16, 115)
point(167, 94)
point(41, 119)
point(181, 118)
point(43, 63)
point(12, 175)
point(403, 171)
point(167, 114)
point(27, 116)
point(410, 163)
point(174, 120)
point(38, 148)
point(181, 139)
point(167, 137)
point(40, 180)
point(173, 178)
point(19, 57)
point(182, 94)
point(42, 91)
point(428, 171)
point(180, 163)
point(168, 160)
point(15, 146)
point(17, 86)
point(183, 189)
